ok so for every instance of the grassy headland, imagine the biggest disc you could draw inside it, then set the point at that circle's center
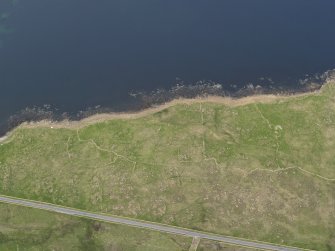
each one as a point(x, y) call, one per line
point(261, 168)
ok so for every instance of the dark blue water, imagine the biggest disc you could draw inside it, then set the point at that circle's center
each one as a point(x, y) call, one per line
point(74, 54)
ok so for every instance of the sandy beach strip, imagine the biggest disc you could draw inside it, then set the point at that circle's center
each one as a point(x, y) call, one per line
point(228, 101)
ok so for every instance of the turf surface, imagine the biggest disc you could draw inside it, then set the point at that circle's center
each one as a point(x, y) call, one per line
point(263, 171)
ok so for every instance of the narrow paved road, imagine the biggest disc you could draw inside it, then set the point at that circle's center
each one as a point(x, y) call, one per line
point(143, 224)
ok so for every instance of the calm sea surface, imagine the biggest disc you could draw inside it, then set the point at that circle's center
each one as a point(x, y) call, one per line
point(74, 54)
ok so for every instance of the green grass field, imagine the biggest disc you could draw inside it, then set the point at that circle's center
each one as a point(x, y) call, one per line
point(263, 171)
point(206, 245)
point(32, 229)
